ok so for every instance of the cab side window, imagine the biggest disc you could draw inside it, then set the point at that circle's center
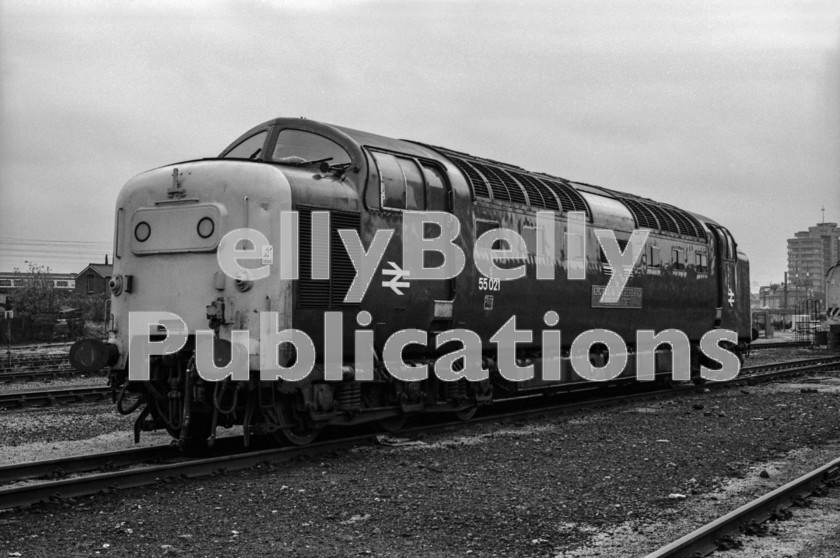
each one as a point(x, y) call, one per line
point(724, 243)
point(400, 181)
point(436, 199)
point(731, 250)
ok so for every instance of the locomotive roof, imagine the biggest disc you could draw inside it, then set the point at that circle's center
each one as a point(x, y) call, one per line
point(504, 182)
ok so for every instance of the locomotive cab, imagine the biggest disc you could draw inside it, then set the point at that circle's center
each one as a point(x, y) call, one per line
point(170, 224)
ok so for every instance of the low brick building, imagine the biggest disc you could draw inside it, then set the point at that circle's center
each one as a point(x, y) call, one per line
point(93, 280)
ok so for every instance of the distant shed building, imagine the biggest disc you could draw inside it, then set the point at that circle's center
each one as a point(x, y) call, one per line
point(776, 297)
point(93, 280)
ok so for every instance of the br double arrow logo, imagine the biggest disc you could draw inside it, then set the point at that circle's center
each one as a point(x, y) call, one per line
point(395, 282)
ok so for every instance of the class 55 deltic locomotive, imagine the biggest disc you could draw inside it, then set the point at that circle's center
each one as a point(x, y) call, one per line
point(170, 223)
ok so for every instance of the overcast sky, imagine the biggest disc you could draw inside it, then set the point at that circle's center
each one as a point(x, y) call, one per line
point(729, 109)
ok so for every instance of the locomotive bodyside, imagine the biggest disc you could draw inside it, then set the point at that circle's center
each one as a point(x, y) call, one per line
point(170, 222)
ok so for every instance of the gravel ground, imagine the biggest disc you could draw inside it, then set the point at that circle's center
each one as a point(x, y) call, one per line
point(807, 533)
point(42, 433)
point(39, 433)
point(552, 486)
point(812, 532)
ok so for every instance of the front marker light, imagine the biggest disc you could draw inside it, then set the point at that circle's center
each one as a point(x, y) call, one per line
point(206, 227)
point(142, 231)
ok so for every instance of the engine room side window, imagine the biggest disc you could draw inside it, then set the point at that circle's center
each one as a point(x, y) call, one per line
point(652, 256)
point(482, 226)
point(606, 266)
point(678, 258)
point(576, 254)
point(529, 235)
point(249, 148)
point(298, 146)
point(701, 262)
point(622, 245)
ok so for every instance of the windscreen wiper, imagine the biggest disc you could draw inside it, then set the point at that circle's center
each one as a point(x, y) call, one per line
point(300, 162)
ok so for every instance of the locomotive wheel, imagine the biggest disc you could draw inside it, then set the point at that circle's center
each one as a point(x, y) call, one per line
point(301, 433)
point(466, 415)
point(391, 424)
point(296, 436)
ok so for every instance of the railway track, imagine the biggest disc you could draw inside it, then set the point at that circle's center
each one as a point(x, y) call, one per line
point(21, 399)
point(720, 532)
point(17, 496)
point(64, 395)
point(44, 375)
point(779, 345)
point(21, 362)
point(29, 368)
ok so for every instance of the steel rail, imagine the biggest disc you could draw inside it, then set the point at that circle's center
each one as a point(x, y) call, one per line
point(25, 360)
point(27, 495)
point(40, 375)
point(42, 346)
point(60, 467)
point(703, 541)
point(817, 363)
point(18, 399)
point(93, 484)
point(779, 345)
point(63, 466)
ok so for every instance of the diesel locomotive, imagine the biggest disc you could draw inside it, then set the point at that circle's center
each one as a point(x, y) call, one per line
point(169, 223)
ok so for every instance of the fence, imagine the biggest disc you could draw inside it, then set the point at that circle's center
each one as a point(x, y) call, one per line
point(807, 319)
point(34, 329)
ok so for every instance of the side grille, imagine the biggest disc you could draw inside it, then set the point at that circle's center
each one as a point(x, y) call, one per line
point(539, 195)
point(475, 180)
point(342, 271)
point(324, 293)
point(505, 183)
point(663, 217)
point(666, 221)
point(504, 187)
point(570, 199)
